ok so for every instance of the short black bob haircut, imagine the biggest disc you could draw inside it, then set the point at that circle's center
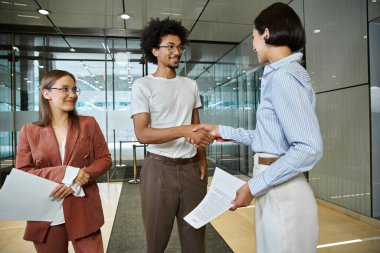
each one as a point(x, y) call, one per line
point(155, 30)
point(284, 25)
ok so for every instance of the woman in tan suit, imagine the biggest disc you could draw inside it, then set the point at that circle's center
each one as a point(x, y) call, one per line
point(70, 150)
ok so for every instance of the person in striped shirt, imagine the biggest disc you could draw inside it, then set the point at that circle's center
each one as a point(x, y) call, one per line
point(287, 139)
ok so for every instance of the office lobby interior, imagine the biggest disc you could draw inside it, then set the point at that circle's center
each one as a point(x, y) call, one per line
point(99, 42)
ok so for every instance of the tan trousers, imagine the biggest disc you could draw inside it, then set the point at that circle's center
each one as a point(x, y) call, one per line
point(57, 242)
point(169, 191)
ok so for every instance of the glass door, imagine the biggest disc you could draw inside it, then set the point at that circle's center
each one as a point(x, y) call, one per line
point(6, 116)
point(126, 64)
point(104, 68)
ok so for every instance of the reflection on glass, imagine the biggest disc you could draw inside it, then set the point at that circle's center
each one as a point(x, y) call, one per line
point(6, 150)
point(103, 83)
point(375, 99)
point(233, 103)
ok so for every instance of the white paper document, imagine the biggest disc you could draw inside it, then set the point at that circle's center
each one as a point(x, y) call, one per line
point(218, 199)
point(25, 196)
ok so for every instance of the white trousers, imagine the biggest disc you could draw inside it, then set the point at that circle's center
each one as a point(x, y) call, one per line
point(286, 217)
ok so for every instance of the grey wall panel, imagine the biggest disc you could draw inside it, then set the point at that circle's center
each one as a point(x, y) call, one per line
point(297, 6)
point(375, 122)
point(336, 44)
point(343, 175)
point(374, 42)
point(374, 51)
point(373, 9)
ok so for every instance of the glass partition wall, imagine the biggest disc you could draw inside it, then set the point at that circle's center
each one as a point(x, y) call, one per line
point(6, 134)
point(233, 103)
point(231, 90)
point(104, 68)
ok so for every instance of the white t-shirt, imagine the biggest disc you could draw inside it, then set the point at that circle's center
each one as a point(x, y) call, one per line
point(170, 103)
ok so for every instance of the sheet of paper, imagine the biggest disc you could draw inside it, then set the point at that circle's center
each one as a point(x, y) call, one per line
point(218, 199)
point(25, 196)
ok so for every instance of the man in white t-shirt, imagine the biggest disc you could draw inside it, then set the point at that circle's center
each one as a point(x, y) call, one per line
point(165, 108)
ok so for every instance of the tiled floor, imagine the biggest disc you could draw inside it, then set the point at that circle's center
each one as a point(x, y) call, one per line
point(11, 232)
point(339, 233)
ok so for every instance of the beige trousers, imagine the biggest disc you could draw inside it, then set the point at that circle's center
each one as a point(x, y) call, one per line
point(286, 217)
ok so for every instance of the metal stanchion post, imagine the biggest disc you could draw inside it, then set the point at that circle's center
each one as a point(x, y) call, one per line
point(120, 153)
point(134, 180)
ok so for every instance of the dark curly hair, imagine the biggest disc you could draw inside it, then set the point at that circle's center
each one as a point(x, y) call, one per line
point(284, 26)
point(155, 29)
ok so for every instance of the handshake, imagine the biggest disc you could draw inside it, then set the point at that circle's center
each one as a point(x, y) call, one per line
point(202, 134)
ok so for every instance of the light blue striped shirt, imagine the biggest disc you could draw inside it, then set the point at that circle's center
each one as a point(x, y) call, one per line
point(286, 126)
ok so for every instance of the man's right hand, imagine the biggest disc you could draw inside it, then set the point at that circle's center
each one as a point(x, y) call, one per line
point(200, 138)
point(212, 129)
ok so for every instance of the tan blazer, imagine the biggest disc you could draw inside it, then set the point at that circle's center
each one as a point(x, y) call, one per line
point(38, 153)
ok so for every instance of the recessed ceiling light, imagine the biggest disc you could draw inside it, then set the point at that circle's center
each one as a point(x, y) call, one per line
point(317, 31)
point(168, 14)
point(124, 16)
point(20, 4)
point(41, 67)
point(26, 16)
point(44, 11)
point(72, 49)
